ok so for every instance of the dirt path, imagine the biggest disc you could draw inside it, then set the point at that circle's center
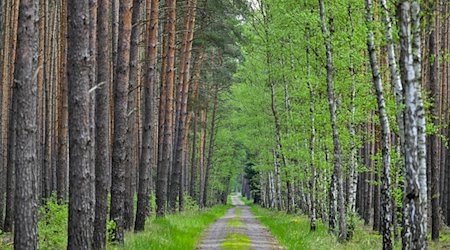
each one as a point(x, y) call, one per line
point(238, 229)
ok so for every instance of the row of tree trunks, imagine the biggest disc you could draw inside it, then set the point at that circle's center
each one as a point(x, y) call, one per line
point(83, 129)
point(176, 187)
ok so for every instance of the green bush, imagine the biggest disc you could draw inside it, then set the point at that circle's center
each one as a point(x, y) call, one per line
point(111, 230)
point(53, 225)
point(190, 204)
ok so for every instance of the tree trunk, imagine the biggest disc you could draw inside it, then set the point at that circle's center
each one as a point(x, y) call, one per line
point(62, 162)
point(353, 175)
point(11, 164)
point(181, 112)
point(102, 123)
point(192, 182)
point(10, 108)
point(312, 141)
point(202, 149)
point(81, 181)
point(195, 111)
point(4, 51)
point(386, 197)
point(145, 165)
point(25, 227)
point(132, 114)
point(433, 63)
point(333, 114)
point(211, 147)
point(92, 96)
point(415, 193)
point(169, 72)
point(119, 154)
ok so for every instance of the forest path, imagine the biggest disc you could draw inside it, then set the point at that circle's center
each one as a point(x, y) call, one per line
point(238, 229)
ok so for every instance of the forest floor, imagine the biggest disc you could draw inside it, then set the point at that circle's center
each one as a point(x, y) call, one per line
point(238, 229)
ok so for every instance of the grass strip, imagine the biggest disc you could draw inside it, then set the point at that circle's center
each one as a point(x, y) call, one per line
point(237, 242)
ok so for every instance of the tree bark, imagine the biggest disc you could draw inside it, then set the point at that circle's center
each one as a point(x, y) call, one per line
point(25, 228)
point(169, 72)
point(62, 162)
point(11, 164)
point(132, 114)
point(145, 165)
point(433, 63)
point(386, 197)
point(415, 193)
point(353, 175)
point(81, 181)
point(102, 123)
point(4, 51)
point(119, 154)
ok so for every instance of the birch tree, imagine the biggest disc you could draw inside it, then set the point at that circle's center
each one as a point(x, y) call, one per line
point(386, 197)
point(337, 174)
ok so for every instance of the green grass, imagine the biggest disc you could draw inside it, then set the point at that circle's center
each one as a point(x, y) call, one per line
point(236, 221)
point(6, 241)
point(238, 212)
point(293, 232)
point(177, 231)
point(236, 242)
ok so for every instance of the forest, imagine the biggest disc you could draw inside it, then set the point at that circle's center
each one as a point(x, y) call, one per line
point(224, 124)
